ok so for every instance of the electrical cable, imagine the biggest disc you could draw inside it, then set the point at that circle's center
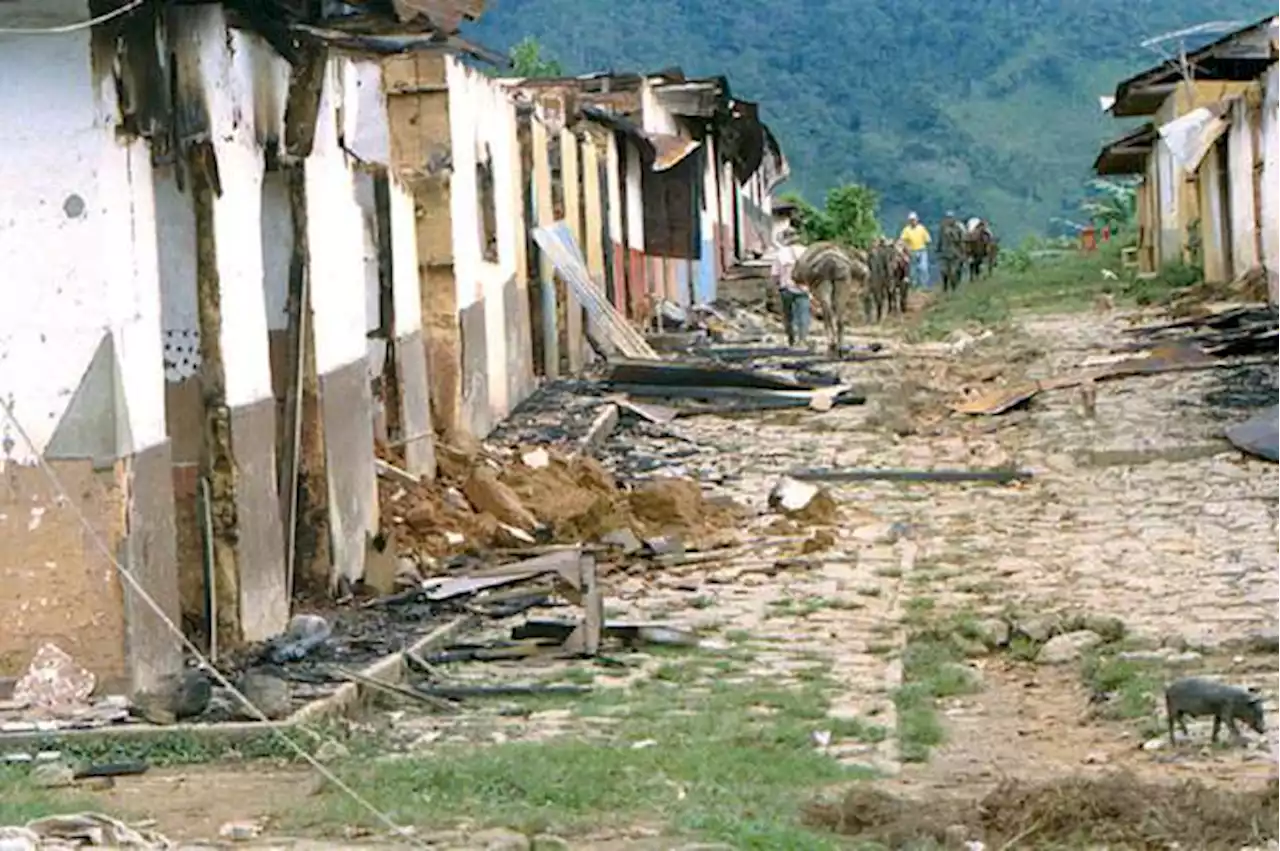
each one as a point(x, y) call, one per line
point(128, 578)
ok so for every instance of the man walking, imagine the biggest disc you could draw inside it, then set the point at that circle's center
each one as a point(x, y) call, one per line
point(916, 237)
point(796, 309)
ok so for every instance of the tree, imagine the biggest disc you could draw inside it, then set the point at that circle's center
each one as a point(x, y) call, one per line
point(1113, 203)
point(529, 61)
point(848, 217)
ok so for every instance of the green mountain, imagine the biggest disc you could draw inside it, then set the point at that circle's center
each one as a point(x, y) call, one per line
point(989, 107)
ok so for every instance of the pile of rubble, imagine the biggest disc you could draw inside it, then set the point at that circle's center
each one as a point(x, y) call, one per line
point(484, 500)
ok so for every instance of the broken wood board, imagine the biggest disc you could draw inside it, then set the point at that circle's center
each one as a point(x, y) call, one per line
point(699, 375)
point(604, 321)
point(993, 476)
point(1170, 359)
point(783, 398)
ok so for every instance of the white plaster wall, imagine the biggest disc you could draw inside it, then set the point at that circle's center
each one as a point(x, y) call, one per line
point(243, 83)
point(77, 239)
point(246, 357)
point(1170, 181)
point(635, 200)
point(613, 168)
point(655, 118)
point(176, 233)
point(728, 195)
point(368, 137)
point(1271, 178)
point(335, 237)
point(277, 248)
point(406, 290)
point(1244, 253)
point(482, 116)
point(710, 209)
point(376, 349)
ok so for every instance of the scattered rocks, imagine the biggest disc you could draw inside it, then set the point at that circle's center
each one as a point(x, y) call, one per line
point(1108, 627)
point(175, 698)
point(240, 831)
point(1068, 647)
point(272, 695)
point(549, 842)
point(331, 750)
point(993, 632)
point(491, 496)
point(1038, 628)
point(52, 775)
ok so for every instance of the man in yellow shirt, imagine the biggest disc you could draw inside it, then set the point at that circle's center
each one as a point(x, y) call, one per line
point(916, 237)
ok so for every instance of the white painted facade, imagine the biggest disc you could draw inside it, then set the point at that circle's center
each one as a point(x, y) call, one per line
point(613, 166)
point(77, 239)
point(406, 290)
point(1270, 201)
point(655, 118)
point(482, 119)
point(635, 199)
point(1169, 177)
point(1243, 217)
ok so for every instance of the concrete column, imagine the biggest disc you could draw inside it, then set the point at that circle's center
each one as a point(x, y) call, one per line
point(336, 263)
point(1240, 158)
point(546, 275)
point(411, 353)
point(570, 178)
point(1269, 182)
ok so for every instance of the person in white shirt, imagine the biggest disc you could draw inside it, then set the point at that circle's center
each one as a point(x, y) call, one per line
point(796, 308)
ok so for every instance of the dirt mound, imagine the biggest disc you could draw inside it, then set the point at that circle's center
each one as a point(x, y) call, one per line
point(575, 499)
point(1115, 811)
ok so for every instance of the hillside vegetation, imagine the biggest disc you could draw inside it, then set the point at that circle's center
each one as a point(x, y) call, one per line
point(986, 106)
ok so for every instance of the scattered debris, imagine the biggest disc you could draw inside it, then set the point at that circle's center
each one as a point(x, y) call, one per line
point(177, 697)
point(53, 682)
point(799, 500)
point(82, 829)
point(1122, 811)
point(999, 476)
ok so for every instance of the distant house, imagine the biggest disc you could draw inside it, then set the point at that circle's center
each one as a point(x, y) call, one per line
point(1208, 156)
point(686, 179)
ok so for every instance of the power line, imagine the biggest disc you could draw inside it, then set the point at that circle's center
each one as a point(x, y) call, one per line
point(129, 579)
point(77, 26)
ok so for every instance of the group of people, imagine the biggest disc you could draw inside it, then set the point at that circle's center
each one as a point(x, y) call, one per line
point(796, 307)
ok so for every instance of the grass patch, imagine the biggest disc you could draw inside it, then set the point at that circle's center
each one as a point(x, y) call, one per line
point(1126, 689)
point(801, 607)
point(1051, 282)
point(20, 802)
point(932, 669)
point(722, 761)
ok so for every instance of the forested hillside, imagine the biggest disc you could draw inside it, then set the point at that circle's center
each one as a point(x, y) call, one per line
point(986, 106)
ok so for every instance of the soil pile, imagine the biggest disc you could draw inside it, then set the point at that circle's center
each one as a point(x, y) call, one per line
point(1114, 811)
point(479, 502)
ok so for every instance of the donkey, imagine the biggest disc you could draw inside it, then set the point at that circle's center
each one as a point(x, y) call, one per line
point(838, 277)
